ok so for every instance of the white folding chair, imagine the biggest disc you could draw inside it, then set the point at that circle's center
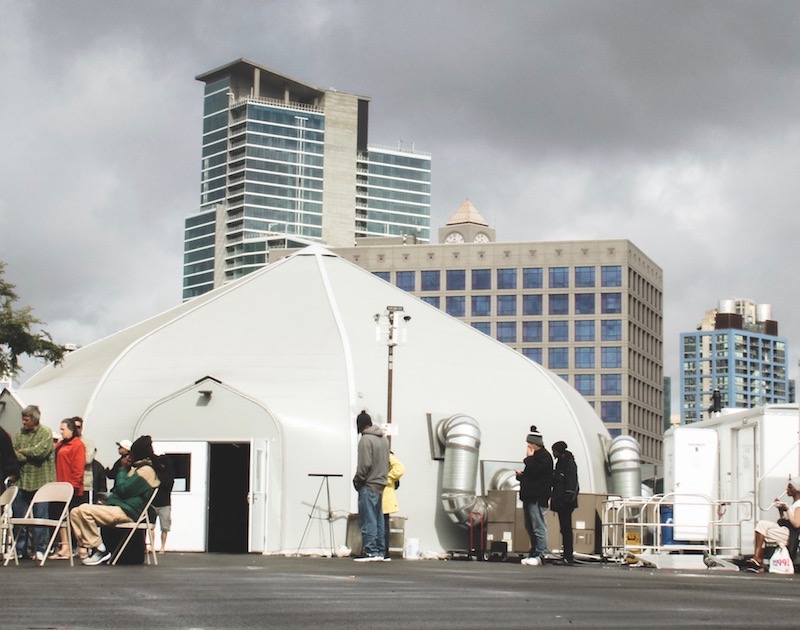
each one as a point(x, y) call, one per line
point(141, 523)
point(54, 492)
point(7, 542)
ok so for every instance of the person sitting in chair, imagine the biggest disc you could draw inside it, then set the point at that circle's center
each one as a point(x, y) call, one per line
point(777, 533)
point(135, 483)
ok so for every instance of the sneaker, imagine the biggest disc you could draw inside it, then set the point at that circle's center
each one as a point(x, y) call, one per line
point(368, 559)
point(39, 556)
point(531, 562)
point(98, 557)
point(386, 559)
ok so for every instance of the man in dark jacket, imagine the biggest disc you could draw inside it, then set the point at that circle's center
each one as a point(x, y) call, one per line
point(9, 465)
point(535, 483)
point(372, 471)
point(565, 495)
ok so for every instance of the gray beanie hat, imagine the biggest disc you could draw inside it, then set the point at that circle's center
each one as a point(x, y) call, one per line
point(534, 437)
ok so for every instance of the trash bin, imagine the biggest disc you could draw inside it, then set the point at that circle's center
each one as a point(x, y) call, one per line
point(666, 526)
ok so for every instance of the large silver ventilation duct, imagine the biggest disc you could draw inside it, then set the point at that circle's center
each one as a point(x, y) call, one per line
point(461, 437)
point(625, 464)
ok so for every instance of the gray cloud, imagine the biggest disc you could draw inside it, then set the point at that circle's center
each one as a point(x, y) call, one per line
point(673, 124)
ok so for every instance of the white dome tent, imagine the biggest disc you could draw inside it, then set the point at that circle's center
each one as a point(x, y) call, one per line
point(258, 385)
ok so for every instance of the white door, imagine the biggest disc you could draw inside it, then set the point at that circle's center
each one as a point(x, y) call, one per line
point(257, 497)
point(744, 456)
point(189, 495)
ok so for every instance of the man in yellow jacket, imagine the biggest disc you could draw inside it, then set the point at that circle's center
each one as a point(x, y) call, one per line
point(390, 505)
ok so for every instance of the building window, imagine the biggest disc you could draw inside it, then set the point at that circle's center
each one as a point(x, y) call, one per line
point(507, 332)
point(611, 357)
point(383, 275)
point(611, 384)
point(531, 304)
point(558, 358)
point(558, 331)
point(584, 358)
point(484, 327)
point(506, 278)
point(456, 279)
point(559, 277)
point(611, 276)
point(481, 279)
point(611, 330)
point(406, 280)
point(558, 304)
point(433, 300)
point(534, 354)
point(610, 303)
point(584, 277)
point(430, 280)
point(611, 411)
point(584, 303)
point(532, 278)
point(531, 332)
point(584, 330)
point(481, 305)
point(584, 383)
point(455, 305)
point(506, 305)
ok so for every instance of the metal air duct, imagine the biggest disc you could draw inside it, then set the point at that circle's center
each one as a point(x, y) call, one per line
point(461, 437)
point(625, 464)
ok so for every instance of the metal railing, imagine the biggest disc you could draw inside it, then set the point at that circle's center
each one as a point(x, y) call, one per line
point(639, 525)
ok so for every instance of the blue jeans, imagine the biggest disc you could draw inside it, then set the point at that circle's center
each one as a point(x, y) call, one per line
point(370, 520)
point(40, 534)
point(536, 528)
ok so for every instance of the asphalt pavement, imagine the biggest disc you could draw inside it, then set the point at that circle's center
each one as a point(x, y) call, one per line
point(251, 591)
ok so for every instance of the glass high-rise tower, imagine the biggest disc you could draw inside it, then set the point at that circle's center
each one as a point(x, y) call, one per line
point(285, 164)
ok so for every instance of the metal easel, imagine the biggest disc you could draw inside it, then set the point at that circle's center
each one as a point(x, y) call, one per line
point(324, 483)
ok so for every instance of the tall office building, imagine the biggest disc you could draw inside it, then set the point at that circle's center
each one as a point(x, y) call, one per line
point(591, 311)
point(285, 164)
point(737, 352)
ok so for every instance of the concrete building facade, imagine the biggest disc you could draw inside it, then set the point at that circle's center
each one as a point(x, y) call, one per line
point(589, 311)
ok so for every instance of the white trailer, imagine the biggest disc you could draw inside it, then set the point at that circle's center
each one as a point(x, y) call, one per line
point(741, 460)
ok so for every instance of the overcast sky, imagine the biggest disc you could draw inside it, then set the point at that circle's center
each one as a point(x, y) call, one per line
point(673, 124)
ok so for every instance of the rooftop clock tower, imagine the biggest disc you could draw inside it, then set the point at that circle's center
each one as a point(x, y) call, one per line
point(466, 226)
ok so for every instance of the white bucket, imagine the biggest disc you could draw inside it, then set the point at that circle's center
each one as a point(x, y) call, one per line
point(411, 549)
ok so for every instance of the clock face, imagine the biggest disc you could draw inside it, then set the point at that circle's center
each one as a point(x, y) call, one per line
point(480, 237)
point(454, 237)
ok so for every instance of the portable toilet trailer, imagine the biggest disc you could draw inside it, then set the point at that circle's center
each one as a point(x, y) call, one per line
point(741, 460)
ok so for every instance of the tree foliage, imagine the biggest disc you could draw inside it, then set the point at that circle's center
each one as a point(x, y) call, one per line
point(20, 333)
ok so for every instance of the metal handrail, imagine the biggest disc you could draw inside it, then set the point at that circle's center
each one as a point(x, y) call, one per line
point(633, 525)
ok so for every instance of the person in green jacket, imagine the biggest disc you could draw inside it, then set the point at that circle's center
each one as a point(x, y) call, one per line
point(135, 483)
point(33, 447)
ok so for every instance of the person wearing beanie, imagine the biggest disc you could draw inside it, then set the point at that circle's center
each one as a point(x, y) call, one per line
point(564, 499)
point(372, 471)
point(777, 533)
point(135, 483)
point(535, 483)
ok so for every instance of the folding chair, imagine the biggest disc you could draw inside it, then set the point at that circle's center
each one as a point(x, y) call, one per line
point(142, 523)
point(54, 492)
point(7, 542)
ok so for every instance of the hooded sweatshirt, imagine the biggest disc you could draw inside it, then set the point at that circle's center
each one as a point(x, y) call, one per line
point(372, 469)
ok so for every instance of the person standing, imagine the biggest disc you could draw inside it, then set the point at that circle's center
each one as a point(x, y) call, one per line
point(70, 457)
point(564, 499)
point(91, 451)
point(372, 471)
point(390, 504)
point(9, 466)
point(33, 446)
point(162, 504)
point(535, 484)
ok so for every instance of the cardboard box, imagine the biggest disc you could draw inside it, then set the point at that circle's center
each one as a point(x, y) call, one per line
point(501, 506)
point(497, 532)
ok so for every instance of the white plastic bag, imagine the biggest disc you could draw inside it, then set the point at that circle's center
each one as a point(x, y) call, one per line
point(781, 561)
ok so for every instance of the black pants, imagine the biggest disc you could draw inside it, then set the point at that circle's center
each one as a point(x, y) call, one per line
point(565, 523)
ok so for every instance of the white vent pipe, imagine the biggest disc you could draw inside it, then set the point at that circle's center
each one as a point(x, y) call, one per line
point(625, 464)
